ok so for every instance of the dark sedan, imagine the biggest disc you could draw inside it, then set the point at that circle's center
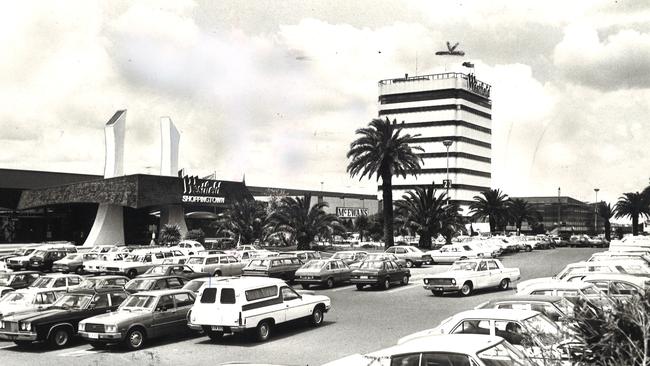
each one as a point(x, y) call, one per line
point(58, 323)
point(380, 273)
point(173, 270)
point(154, 283)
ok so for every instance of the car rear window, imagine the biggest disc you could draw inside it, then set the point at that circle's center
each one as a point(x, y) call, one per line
point(227, 296)
point(209, 296)
point(260, 293)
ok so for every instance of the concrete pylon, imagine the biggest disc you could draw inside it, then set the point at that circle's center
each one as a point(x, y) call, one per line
point(108, 227)
point(169, 142)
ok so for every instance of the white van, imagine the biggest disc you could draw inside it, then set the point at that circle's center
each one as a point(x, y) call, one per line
point(256, 304)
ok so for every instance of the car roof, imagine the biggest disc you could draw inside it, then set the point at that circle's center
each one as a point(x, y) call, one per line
point(24, 272)
point(525, 298)
point(555, 284)
point(616, 276)
point(56, 275)
point(105, 277)
point(37, 289)
point(164, 292)
point(155, 277)
point(247, 281)
point(91, 291)
point(504, 314)
point(350, 251)
point(451, 343)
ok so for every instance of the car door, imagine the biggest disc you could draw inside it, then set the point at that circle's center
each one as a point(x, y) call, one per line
point(293, 304)
point(482, 275)
point(494, 273)
point(345, 271)
point(164, 317)
point(183, 302)
point(392, 270)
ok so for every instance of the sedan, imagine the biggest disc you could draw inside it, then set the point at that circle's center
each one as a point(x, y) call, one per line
point(154, 283)
point(381, 273)
point(173, 270)
point(413, 256)
point(326, 272)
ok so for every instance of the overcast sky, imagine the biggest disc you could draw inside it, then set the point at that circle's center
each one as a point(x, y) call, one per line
point(275, 89)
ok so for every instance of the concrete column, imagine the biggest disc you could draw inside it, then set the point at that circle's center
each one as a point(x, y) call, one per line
point(169, 141)
point(173, 215)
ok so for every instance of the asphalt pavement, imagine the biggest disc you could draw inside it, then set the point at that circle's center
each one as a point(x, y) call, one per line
point(359, 322)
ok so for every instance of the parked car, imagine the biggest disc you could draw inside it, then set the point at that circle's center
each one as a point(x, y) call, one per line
point(140, 318)
point(619, 286)
point(380, 256)
point(350, 256)
point(326, 272)
point(96, 263)
point(572, 291)
point(556, 308)
point(109, 281)
point(20, 252)
point(181, 270)
point(57, 324)
point(138, 262)
point(153, 283)
point(451, 253)
point(413, 256)
point(447, 350)
point(380, 274)
point(304, 255)
point(27, 299)
point(256, 304)
point(216, 265)
point(189, 247)
point(57, 281)
point(196, 284)
point(468, 275)
point(43, 260)
point(614, 255)
point(17, 280)
point(530, 331)
point(23, 262)
point(73, 262)
point(283, 267)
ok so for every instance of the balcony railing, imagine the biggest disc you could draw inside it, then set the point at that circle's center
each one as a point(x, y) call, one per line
point(473, 84)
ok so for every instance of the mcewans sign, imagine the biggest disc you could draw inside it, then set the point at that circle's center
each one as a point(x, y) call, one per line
point(351, 212)
point(202, 190)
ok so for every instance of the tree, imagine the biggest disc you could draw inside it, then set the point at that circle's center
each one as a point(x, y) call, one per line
point(170, 234)
point(246, 220)
point(519, 210)
point(296, 218)
point(383, 152)
point(425, 213)
point(633, 205)
point(196, 235)
point(491, 204)
point(606, 212)
point(361, 224)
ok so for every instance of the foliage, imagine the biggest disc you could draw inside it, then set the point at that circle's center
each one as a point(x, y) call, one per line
point(519, 210)
point(196, 235)
point(302, 222)
point(170, 234)
point(493, 205)
point(633, 205)
point(606, 212)
point(361, 225)
point(245, 220)
point(382, 151)
point(426, 214)
point(275, 198)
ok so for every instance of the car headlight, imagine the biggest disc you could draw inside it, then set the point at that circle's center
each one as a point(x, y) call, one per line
point(111, 328)
point(26, 326)
point(82, 326)
point(2, 324)
point(453, 281)
point(426, 281)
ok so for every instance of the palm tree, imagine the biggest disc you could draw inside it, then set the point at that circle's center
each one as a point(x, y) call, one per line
point(633, 205)
point(361, 224)
point(491, 204)
point(606, 212)
point(383, 152)
point(426, 214)
point(296, 218)
point(519, 211)
point(170, 234)
point(246, 220)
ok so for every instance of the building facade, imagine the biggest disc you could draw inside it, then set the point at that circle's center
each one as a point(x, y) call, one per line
point(452, 115)
point(563, 216)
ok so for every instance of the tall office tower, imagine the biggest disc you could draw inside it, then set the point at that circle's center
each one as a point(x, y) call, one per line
point(452, 114)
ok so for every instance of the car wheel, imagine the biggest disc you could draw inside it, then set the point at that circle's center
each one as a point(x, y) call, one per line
point(215, 336)
point(329, 283)
point(504, 284)
point(135, 339)
point(317, 316)
point(436, 293)
point(529, 248)
point(386, 284)
point(131, 273)
point(405, 280)
point(97, 345)
point(217, 273)
point(305, 286)
point(359, 286)
point(79, 270)
point(409, 264)
point(263, 331)
point(60, 337)
point(466, 290)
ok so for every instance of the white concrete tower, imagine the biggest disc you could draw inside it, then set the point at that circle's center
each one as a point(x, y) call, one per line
point(108, 227)
point(169, 147)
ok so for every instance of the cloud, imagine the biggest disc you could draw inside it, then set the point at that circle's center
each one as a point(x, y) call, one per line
point(618, 61)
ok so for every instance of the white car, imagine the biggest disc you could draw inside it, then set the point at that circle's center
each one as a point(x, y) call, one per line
point(530, 331)
point(452, 349)
point(619, 286)
point(57, 281)
point(413, 256)
point(237, 304)
point(189, 247)
point(468, 275)
point(613, 255)
point(216, 265)
point(101, 260)
point(572, 291)
point(453, 252)
point(28, 299)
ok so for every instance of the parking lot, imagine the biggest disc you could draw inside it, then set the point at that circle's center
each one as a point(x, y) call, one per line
point(359, 322)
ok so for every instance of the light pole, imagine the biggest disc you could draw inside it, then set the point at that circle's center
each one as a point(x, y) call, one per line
point(595, 214)
point(447, 144)
point(559, 208)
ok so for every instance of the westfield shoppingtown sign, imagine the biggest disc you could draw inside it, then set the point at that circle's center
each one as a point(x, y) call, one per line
point(351, 212)
point(202, 190)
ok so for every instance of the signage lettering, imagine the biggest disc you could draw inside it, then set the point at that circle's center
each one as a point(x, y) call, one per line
point(351, 212)
point(203, 199)
point(478, 87)
point(196, 190)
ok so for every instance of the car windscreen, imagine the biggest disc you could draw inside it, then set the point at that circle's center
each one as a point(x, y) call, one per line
point(135, 302)
point(259, 263)
point(194, 286)
point(5, 279)
point(343, 256)
point(372, 265)
point(89, 283)
point(543, 329)
point(195, 260)
point(157, 270)
point(42, 282)
point(73, 301)
point(71, 257)
point(463, 266)
point(590, 290)
point(39, 253)
point(17, 298)
point(502, 354)
point(139, 285)
point(314, 265)
point(429, 358)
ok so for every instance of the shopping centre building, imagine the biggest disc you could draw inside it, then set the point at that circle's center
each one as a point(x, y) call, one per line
point(114, 208)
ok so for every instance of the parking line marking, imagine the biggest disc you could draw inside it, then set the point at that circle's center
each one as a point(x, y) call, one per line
point(402, 288)
point(342, 288)
point(79, 353)
point(7, 346)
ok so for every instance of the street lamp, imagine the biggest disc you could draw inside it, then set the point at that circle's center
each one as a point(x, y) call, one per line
point(595, 215)
point(447, 144)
